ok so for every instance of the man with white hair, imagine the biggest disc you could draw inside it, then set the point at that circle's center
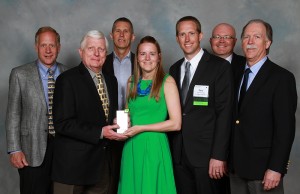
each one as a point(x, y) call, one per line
point(85, 104)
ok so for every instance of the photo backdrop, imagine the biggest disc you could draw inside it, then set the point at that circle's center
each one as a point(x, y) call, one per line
point(19, 20)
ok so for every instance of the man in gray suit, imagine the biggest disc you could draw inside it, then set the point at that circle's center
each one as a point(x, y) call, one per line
point(29, 114)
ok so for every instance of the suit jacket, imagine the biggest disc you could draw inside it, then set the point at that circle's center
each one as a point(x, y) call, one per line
point(108, 66)
point(79, 153)
point(26, 117)
point(205, 130)
point(264, 128)
point(237, 60)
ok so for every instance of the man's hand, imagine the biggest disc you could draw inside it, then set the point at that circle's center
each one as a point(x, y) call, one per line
point(109, 133)
point(18, 160)
point(271, 179)
point(217, 168)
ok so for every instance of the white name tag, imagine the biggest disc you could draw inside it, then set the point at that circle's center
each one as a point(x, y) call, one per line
point(201, 91)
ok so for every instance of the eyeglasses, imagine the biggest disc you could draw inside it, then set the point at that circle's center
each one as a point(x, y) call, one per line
point(226, 37)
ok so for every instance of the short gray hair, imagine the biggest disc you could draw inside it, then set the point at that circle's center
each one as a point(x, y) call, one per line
point(93, 34)
point(269, 30)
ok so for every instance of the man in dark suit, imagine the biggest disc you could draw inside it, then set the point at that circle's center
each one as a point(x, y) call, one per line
point(29, 142)
point(120, 64)
point(121, 61)
point(264, 119)
point(222, 42)
point(85, 104)
point(205, 84)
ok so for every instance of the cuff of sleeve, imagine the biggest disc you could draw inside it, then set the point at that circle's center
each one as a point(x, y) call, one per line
point(101, 135)
point(12, 152)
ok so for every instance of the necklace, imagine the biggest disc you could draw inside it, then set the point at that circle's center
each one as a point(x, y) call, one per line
point(144, 92)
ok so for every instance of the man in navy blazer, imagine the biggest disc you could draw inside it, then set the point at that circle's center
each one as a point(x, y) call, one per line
point(264, 117)
point(82, 161)
point(200, 149)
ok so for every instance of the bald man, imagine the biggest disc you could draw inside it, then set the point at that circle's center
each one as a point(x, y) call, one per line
point(222, 41)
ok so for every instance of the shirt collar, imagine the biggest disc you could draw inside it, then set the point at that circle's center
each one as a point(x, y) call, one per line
point(93, 74)
point(195, 60)
point(229, 58)
point(256, 67)
point(116, 56)
point(44, 70)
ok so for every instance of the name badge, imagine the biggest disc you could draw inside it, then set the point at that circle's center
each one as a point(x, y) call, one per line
point(200, 95)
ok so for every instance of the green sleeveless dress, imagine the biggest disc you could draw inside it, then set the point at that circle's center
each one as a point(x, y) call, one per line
point(146, 166)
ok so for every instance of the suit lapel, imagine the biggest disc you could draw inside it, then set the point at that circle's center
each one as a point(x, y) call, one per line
point(88, 80)
point(91, 86)
point(258, 81)
point(132, 62)
point(110, 95)
point(176, 75)
point(197, 78)
point(239, 72)
point(37, 83)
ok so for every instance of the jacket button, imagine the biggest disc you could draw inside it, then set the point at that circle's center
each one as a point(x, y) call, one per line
point(237, 122)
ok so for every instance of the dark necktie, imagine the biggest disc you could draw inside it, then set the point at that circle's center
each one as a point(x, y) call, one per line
point(244, 86)
point(51, 85)
point(186, 81)
point(103, 95)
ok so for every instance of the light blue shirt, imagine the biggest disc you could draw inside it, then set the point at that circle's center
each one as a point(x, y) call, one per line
point(122, 69)
point(44, 77)
point(254, 70)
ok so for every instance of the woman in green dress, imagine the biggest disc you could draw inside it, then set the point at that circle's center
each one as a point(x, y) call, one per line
point(154, 106)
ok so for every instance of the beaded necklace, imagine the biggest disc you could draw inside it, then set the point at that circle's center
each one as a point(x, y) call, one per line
point(144, 92)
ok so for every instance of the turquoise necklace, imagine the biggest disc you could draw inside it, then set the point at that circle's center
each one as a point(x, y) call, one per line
point(144, 92)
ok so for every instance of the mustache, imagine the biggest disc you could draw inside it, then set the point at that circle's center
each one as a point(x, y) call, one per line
point(251, 46)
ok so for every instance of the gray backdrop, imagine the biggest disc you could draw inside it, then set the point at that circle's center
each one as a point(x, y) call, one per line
point(20, 19)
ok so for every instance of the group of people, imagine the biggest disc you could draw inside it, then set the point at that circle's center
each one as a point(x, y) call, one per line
point(217, 123)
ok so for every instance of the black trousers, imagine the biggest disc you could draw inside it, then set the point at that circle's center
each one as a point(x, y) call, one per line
point(241, 185)
point(110, 172)
point(37, 180)
point(196, 180)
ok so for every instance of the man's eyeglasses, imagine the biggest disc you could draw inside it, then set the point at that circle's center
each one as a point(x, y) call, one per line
point(226, 37)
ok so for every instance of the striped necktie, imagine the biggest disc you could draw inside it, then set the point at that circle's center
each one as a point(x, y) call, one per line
point(185, 82)
point(103, 94)
point(51, 86)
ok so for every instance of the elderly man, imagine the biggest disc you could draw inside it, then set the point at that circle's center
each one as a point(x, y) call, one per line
point(264, 117)
point(85, 104)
